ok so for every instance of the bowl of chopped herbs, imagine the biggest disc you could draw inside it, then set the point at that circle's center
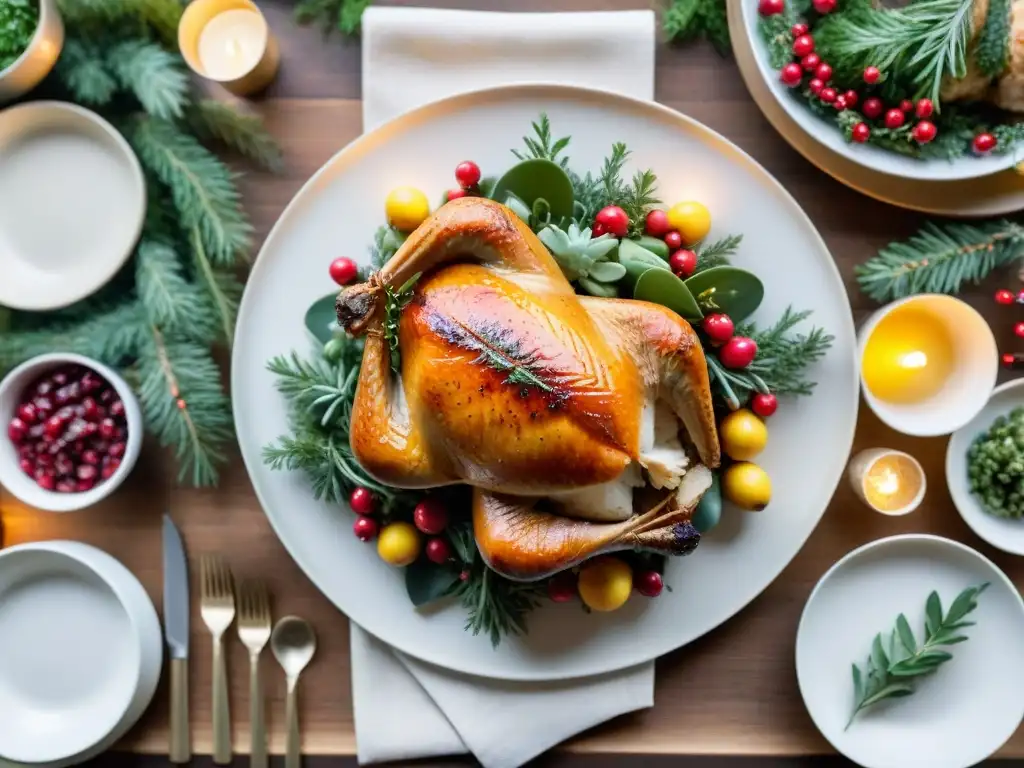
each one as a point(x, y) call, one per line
point(31, 38)
point(926, 90)
point(985, 469)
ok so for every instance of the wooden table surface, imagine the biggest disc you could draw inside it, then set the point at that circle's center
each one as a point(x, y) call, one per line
point(731, 693)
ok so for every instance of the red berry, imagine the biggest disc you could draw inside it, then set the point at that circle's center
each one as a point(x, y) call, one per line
point(108, 429)
point(656, 223)
point(984, 142)
point(1009, 359)
point(764, 405)
point(839, 103)
point(924, 108)
point(54, 427)
point(871, 75)
point(27, 412)
point(66, 485)
point(467, 174)
point(109, 467)
point(803, 45)
point(906, 105)
point(872, 108)
point(1020, 296)
point(860, 133)
point(815, 86)
point(1004, 297)
point(430, 516)
point(828, 95)
point(91, 410)
point(924, 132)
point(810, 62)
point(648, 583)
point(614, 220)
point(894, 118)
point(45, 478)
point(84, 485)
point(770, 7)
point(455, 194)
point(438, 551)
point(17, 430)
point(343, 270)
point(86, 472)
point(362, 501)
point(683, 263)
point(718, 327)
point(824, 6)
point(738, 352)
point(27, 466)
point(116, 450)
point(823, 72)
point(90, 457)
point(851, 98)
point(798, 29)
point(598, 229)
point(365, 528)
point(562, 587)
point(1019, 329)
point(673, 240)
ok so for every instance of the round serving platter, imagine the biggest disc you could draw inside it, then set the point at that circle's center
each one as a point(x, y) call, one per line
point(336, 213)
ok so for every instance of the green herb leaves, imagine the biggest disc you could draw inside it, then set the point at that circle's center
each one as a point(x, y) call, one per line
point(896, 659)
point(995, 466)
point(394, 303)
point(18, 19)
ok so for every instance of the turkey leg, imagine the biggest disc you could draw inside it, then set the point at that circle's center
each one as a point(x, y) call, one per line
point(526, 544)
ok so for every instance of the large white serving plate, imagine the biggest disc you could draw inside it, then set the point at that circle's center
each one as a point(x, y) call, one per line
point(336, 213)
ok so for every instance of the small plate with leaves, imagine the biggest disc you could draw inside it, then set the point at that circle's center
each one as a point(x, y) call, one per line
point(903, 654)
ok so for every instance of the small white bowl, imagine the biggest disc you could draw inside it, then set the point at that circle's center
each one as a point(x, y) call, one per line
point(24, 487)
point(26, 72)
point(1002, 533)
point(72, 204)
point(866, 155)
point(82, 651)
point(957, 717)
point(968, 388)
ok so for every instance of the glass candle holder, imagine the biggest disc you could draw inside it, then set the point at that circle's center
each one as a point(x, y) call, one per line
point(889, 482)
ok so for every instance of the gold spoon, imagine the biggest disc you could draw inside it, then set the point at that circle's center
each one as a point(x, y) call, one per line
point(293, 644)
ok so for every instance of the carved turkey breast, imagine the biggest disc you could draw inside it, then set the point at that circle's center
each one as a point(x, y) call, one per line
point(584, 425)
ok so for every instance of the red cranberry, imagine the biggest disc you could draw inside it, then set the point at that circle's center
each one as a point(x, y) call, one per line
point(27, 412)
point(67, 395)
point(17, 430)
point(44, 387)
point(45, 478)
point(63, 465)
point(803, 45)
point(798, 29)
point(770, 7)
point(86, 472)
point(116, 450)
point(873, 108)
point(648, 583)
point(984, 143)
point(59, 379)
point(108, 429)
point(851, 98)
point(438, 551)
point(894, 118)
point(27, 466)
point(815, 86)
point(44, 406)
point(66, 485)
point(673, 240)
point(109, 468)
point(365, 528)
point(117, 409)
point(924, 108)
point(823, 72)
point(791, 74)
point(88, 429)
point(430, 516)
point(44, 458)
point(90, 382)
point(810, 62)
point(562, 587)
point(108, 396)
point(84, 485)
point(861, 132)
point(91, 410)
point(828, 95)
point(54, 428)
point(906, 105)
point(656, 222)
point(871, 75)
point(89, 456)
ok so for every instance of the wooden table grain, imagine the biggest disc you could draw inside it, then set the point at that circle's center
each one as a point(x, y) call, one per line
point(732, 692)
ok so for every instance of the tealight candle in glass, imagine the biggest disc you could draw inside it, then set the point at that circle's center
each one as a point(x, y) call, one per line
point(890, 482)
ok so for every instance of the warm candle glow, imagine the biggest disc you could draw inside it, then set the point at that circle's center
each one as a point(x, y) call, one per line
point(909, 356)
point(232, 43)
point(891, 483)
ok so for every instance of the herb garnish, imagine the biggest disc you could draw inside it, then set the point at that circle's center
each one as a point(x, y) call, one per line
point(18, 21)
point(995, 466)
point(893, 664)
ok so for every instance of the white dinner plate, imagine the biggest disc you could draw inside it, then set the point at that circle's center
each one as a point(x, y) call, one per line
point(1004, 533)
point(993, 195)
point(959, 715)
point(336, 214)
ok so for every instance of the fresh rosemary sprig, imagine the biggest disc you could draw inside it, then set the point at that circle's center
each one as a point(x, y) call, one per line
point(717, 253)
point(686, 20)
point(394, 303)
point(992, 49)
point(895, 661)
point(541, 145)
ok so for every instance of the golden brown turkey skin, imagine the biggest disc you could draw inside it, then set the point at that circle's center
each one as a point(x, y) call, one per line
point(513, 384)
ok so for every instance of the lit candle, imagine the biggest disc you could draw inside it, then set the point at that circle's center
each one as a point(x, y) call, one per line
point(890, 482)
point(229, 42)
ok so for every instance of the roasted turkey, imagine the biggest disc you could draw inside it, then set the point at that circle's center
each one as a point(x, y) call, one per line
point(584, 425)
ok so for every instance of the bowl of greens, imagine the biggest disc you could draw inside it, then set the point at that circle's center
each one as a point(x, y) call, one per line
point(31, 38)
point(928, 90)
point(985, 469)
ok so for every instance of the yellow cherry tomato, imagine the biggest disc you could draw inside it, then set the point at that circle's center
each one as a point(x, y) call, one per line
point(691, 220)
point(605, 583)
point(398, 544)
point(747, 486)
point(743, 435)
point(406, 208)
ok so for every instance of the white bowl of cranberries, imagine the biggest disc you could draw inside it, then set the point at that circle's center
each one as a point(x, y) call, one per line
point(73, 431)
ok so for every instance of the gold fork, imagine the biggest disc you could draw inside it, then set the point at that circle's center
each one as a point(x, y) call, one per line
point(254, 632)
point(217, 607)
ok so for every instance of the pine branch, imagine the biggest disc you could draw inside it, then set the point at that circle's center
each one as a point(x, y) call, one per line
point(154, 75)
point(246, 134)
point(542, 145)
point(202, 187)
point(184, 404)
point(162, 16)
point(343, 15)
point(992, 50)
point(220, 290)
point(686, 20)
point(83, 71)
point(941, 259)
point(169, 300)
point(717, 254)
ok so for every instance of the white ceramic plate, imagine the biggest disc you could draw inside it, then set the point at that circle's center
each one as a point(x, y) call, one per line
point(866, 155)
point(961, 714)
point(993, 195)
point(1007, 535)
point(336, 214)
point(81, 654)
point(72, 201)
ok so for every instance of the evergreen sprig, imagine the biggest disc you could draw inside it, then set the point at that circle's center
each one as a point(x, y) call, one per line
point(941, 258)
point(717, 252)
point(344, 16)
point(992, 50)
point(685, 20)
point(241, 132)
point(897, 659)
point(542, 145)
point(156, 77)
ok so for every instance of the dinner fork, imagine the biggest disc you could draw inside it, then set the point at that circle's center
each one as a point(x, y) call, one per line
point(217, 607)
point(254, 632)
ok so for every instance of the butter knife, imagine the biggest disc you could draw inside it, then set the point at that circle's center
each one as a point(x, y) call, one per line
point(176, 610)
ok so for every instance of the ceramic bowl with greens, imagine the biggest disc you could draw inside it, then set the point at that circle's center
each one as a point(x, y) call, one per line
point(31, 37)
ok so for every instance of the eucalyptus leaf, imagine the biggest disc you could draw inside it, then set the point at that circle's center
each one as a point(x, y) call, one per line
point(858, 683)
point(606, 271)
point(964, 603)
point(426, 582)
point(731, 290)
point(933, 613)
point(709, 509)
point(660, 286)
point(906, 633)
point(891, 691)
point(321, 319)
point(878, 655)
point(533, 179)
point(655, 245)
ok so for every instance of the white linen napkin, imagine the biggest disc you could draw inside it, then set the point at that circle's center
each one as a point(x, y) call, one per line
point(412, 56)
